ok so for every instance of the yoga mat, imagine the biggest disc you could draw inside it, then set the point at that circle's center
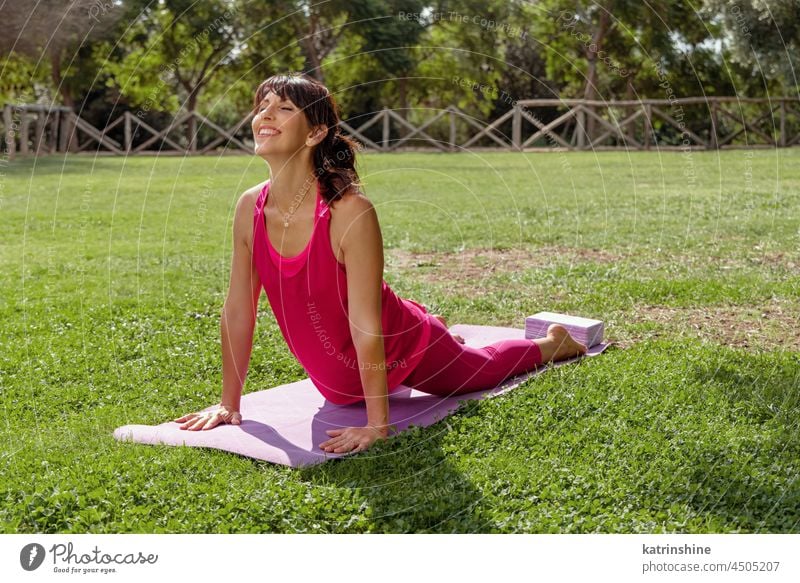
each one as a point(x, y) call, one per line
point(286, 424)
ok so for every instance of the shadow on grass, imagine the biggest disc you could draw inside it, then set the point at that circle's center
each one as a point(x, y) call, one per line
point(733, 498)
point(410, 484)
point(750, 482)
point(764, 387)
point(413, 483)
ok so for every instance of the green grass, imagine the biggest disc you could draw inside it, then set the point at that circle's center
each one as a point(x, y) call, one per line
point(114, 274)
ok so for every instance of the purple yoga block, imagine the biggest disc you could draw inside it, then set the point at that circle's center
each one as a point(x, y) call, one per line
point(584, 330)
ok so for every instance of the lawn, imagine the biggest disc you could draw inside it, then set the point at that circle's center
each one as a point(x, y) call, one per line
point(114, 272)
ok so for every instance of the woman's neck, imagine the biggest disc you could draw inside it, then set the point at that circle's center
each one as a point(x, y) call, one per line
point(288, 184)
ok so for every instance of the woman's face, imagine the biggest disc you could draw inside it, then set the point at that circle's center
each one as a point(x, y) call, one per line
point(279, 127)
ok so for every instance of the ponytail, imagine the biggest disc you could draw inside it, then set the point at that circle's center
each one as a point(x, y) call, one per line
point(334, 163)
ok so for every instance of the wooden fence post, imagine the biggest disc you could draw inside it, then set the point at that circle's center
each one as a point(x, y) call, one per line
point(24, 124)
point(128, 136)
point(11, 140)
point(782, 141)
point(63, 133)
point(452, 116)
point(386, 129)
point(41, 120)
point(54, 124)
point(192, 127)
point(580, 127)
point(713, 142)
point(516, 129)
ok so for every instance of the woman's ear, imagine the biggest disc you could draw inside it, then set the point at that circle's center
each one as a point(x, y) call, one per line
point(316, 135)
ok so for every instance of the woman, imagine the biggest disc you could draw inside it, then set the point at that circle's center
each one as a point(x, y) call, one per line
point(311, 239)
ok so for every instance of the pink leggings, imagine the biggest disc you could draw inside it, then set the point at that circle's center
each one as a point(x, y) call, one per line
point(451, 368)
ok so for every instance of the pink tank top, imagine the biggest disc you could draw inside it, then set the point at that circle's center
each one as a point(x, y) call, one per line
point(308, 295)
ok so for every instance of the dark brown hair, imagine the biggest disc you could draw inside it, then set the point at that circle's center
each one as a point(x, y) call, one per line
point(335, 156)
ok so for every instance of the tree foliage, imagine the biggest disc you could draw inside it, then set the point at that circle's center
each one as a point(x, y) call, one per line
point(410, 55)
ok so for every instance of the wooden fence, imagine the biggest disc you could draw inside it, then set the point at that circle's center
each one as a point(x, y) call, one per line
point(530, 125)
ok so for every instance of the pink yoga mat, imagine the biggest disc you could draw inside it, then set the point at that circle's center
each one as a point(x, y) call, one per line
point(286, 424)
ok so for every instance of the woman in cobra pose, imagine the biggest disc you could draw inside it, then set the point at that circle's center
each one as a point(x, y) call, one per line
point(311, 240)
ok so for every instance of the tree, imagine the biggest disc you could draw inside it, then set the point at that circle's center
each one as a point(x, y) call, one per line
point(319, 26)
point(764, 36)
point(391, 39)
point(174, 50)
point(51, 31)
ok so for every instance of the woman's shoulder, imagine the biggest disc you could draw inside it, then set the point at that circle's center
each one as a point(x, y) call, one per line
point(250, 196)
point(351, 202)
point(354, 220)
point(245, 209)
point(247, 200)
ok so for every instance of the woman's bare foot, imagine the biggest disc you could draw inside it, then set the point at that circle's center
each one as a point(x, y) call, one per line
point(559, 345)
point(459, 338)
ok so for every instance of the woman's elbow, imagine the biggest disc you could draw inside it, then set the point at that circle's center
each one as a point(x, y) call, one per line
point(240, 316)
point(366, 334)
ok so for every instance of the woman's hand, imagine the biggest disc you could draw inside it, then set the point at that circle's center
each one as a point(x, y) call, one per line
point(352, 439)
point(458, 337)
point(210, 419)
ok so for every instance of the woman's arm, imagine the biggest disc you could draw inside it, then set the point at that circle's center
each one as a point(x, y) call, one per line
point(238, 318)
point(362, 245)
point(237, 323)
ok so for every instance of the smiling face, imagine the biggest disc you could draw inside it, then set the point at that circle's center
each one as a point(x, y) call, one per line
point(279, 127)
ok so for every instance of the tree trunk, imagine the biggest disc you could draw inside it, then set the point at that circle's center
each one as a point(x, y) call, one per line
point(66, 98)
point(590, 90)
point(312, 64)
point(402, 91)
point(312, 61)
